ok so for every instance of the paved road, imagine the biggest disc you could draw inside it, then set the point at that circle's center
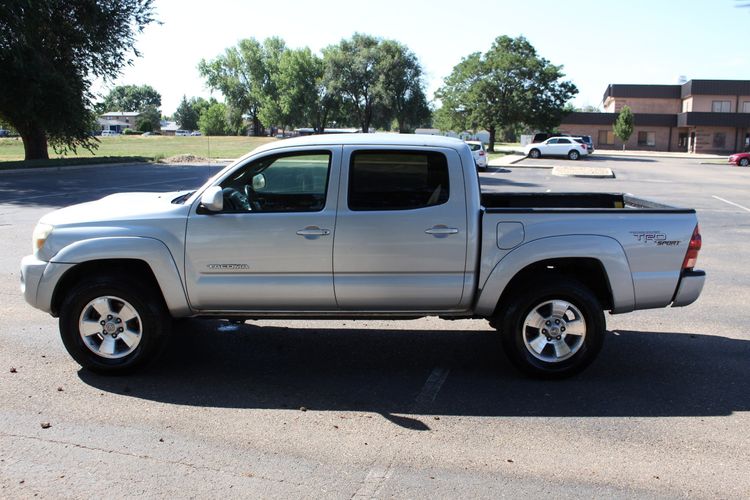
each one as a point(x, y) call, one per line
point(421, 408)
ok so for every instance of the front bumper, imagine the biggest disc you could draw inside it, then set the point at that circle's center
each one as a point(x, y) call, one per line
point(690, 287)
point(39, 279)
point(32, 270)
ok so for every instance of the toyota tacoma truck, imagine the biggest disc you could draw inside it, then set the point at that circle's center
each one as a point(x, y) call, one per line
point(358, 226)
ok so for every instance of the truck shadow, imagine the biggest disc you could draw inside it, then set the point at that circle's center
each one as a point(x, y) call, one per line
point(383, 371)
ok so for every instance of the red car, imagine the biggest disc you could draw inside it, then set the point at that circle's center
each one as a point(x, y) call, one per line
point(740, 159)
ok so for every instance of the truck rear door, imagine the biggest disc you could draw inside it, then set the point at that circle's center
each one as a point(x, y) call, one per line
point(401, 229)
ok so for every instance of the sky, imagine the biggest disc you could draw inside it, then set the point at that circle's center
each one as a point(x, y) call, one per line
point(596, 42)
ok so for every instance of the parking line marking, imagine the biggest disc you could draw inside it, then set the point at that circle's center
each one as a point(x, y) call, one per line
point(431, 387)
point(731, 203)
point(382, 470)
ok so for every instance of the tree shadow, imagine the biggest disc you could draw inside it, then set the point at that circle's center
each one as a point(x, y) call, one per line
point(637, 374)
point(68, 186)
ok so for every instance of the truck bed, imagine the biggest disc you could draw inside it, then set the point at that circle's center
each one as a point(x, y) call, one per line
point(561, 202)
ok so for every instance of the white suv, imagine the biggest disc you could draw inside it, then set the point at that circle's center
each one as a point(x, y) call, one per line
point(480, 155)
point(557, 146)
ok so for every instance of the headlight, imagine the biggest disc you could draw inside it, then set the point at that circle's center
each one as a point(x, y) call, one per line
point(40, 235)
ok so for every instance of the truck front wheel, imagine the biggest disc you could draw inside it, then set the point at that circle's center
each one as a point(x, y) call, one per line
point(553, 331)
point(113, 324)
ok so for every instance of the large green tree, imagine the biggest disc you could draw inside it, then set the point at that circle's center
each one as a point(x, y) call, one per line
point(400, 87)
point(304, 95)
point(130, 98)
point(507, 86)
point(213, 120)
point(244, 75)
point(352, 72)
point(186, 114)
point(50, 51)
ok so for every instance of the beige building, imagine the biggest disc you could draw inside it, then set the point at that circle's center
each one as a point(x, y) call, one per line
point(699, 116)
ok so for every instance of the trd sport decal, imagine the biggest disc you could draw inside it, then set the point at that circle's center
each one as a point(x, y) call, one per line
point(654, 237)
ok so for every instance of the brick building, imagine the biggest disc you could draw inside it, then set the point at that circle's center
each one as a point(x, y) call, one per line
point(699, 116)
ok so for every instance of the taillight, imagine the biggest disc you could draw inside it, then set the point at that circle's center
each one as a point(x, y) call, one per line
point(691, 257)
point(481, 153)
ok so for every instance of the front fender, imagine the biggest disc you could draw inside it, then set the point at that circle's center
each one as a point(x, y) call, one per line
point(149, 250)
point(606, 250)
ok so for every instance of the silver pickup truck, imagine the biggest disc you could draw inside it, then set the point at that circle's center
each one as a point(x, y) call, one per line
point(358, 226)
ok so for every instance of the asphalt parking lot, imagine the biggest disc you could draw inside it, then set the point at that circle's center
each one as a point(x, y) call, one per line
point(424, 408)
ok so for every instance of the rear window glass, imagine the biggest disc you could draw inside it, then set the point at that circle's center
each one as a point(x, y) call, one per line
point(397, 180)
point(475, 147)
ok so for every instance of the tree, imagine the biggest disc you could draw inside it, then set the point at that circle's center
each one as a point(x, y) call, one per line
point(400, 87)
point(213, 120)
point(243, 75)
point(507, 86)
point(50, 51)
point(623, 127)
point(130, 98)
point(351, 72)
point(186, 115)
point(304, 95)
point(148, 121)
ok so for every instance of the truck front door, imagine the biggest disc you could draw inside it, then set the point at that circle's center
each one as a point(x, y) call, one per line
point(401, 237)
point(271, 247)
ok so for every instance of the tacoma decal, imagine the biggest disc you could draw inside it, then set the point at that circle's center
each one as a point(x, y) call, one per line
point(227, 267)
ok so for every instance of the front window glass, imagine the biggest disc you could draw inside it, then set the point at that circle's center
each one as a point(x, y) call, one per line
point(280, 183)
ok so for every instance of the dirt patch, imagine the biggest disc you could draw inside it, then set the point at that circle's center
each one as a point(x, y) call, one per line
point(184, 159)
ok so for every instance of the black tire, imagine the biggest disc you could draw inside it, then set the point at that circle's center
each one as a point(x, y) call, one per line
point(744, 162)
point(516, 337)
point(153, 322)
point(535, 153)
point(573, 154)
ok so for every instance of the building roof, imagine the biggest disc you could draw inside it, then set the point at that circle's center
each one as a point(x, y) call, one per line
point(121, 114)
point(642, 91)
point(715, 87)
point(112, 122)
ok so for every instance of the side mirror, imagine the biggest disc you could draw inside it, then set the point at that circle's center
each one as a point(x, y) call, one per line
point(213, 199)
point(259, 182)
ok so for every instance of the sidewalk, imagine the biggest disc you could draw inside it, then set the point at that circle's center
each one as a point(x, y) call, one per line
point(620, 152)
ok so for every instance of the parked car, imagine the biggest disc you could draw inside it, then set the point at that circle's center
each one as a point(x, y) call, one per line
point(4, 133)
point(183, 133)
point(109, 133)
point(479, 153)
point(195, 133)
point(740, 159)
point(149, 134)
point(589, 142)
point(356, 226)
point(557, 146)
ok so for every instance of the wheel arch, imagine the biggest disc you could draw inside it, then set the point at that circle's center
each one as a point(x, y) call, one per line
point(605, 270)
point(107, 255)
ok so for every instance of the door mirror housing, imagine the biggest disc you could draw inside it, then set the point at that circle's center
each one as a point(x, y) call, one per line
point(213, 199)
point(259, 182)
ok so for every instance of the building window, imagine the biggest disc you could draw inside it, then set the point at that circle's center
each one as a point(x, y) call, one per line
point(647, 138)
point(721, 106)
point(720, 140)
point(606, 137)
point(746, 107)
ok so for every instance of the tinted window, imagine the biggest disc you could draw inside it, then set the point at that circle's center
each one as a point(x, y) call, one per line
point(288, 183)
point(397, 180)
point(475, 147)
point(563, 141)
point(552, 141)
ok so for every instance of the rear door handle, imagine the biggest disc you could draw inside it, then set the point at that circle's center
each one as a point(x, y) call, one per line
point(441, 230)
point(313, 231)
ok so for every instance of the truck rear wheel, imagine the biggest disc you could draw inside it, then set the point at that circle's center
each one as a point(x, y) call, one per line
point(553, 331)
point(112, 324)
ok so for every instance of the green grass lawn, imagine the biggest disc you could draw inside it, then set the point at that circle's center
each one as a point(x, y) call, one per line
point(147, 148)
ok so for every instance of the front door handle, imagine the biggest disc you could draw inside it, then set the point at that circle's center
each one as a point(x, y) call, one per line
point(441, 230)
point(310, 231)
